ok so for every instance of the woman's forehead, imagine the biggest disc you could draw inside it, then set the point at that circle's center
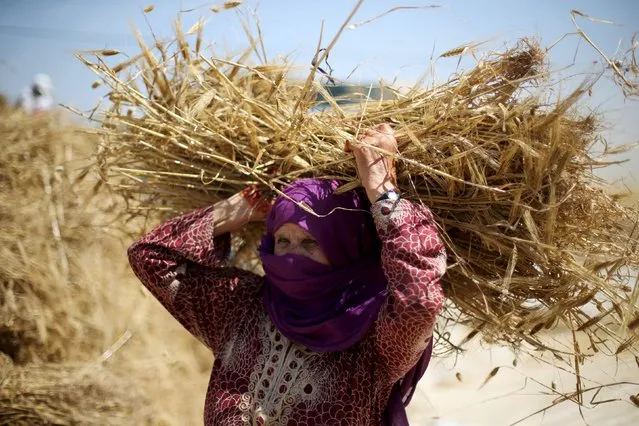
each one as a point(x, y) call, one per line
point(292, 229)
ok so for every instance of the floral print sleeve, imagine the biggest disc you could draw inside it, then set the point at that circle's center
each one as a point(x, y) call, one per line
point(184, 267)
point(414, 259)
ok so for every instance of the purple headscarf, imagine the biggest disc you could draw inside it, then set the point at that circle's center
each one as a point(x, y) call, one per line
point(330, 308)
point(326, 308)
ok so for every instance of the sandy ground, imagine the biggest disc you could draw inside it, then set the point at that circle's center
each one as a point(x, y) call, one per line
point(451, 392)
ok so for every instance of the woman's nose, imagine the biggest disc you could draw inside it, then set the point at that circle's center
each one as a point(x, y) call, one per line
point(295, 249)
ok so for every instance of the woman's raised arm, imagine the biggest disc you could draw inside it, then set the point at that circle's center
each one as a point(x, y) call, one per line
point(183, 263)
point(413, 257)
point(414, 260)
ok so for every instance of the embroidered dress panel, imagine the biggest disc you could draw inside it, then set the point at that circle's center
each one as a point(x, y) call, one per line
point(280, 380)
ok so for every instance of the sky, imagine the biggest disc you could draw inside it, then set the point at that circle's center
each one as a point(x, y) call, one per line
point(38, 36)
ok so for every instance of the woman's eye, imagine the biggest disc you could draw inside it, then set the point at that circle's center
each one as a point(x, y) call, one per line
point(310, 244)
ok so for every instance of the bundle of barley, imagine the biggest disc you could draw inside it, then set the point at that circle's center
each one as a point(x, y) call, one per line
point(66, 394)
point(506, 170)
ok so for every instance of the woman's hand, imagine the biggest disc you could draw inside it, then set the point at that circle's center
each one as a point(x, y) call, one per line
point(249, 205)
point(376, 171)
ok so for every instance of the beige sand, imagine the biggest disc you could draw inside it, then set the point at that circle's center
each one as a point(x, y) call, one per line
point(516, 392)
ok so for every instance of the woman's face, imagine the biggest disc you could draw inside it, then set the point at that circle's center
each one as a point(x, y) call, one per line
point(293, 239)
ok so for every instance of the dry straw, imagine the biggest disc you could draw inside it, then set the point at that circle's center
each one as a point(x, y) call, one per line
point(67, 394)
point(44, 304)
point(76, 345)
point(506, 168)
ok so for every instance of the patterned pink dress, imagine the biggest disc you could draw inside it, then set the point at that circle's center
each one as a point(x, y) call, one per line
point(259, 376)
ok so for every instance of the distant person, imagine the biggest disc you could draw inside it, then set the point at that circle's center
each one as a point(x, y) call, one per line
point(38, 98)
point(340, 329)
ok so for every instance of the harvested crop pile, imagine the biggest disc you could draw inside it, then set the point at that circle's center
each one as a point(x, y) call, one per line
point(66, 394)
point(76, 343)
point(47, 309)
point(506, 168)
point(44, 305)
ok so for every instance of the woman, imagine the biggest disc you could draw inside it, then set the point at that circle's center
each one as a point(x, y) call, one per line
point(339, 330)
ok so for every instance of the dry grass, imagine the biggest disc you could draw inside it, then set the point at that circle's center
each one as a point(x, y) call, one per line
point(67, 394)
point(87, 346)
point(38, 190)
point(505, 167)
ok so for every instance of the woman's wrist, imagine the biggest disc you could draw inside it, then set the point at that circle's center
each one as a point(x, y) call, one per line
point(258, 200)
point(374, 192)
